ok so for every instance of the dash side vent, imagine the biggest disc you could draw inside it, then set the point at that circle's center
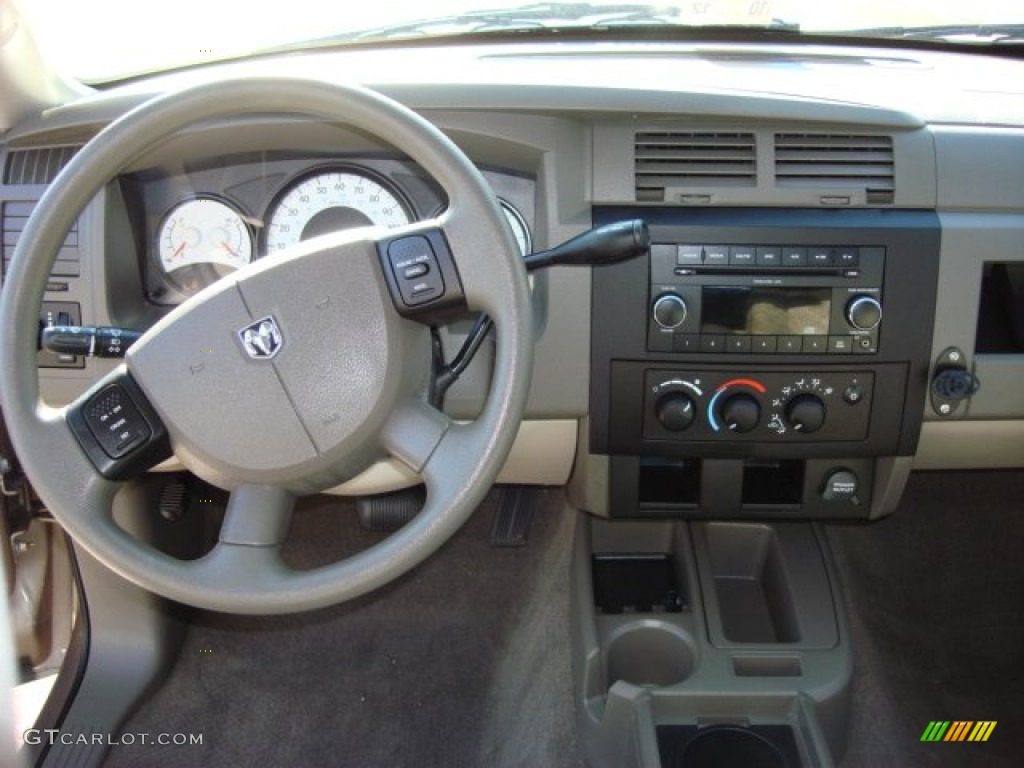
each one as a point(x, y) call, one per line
point(13, 218)
point(37, 166)
point(666, 160)
point(836, 162)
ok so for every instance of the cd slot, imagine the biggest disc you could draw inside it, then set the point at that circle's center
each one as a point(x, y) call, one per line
point(773, 271)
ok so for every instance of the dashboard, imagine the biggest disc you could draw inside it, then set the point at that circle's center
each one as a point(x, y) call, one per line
point(894, 181)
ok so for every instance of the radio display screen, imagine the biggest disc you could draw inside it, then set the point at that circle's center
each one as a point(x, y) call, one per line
point(765, 310)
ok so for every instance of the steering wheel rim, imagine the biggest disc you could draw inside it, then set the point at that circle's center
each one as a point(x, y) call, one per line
point(244, 572)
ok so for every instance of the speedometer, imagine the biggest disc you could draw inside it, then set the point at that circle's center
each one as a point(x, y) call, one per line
point(330, 201)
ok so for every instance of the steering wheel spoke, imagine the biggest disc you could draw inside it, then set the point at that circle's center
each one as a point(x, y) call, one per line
point(413, 433)
point(117, 428)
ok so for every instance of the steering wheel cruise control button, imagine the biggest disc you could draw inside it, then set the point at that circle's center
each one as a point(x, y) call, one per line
point(115, 421)
point(415, 268)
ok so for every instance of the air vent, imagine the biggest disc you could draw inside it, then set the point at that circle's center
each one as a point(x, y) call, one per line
point(14, 217)
point(678, 160)
point(836, 162)
point(37, 166)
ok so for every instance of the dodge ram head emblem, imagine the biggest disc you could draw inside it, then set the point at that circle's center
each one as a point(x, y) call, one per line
point(261, 340)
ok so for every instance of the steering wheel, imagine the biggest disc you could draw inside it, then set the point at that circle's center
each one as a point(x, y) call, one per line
point(286, 378)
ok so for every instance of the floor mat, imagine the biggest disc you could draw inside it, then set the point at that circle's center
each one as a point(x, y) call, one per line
point(462, 662)
point(936, 602)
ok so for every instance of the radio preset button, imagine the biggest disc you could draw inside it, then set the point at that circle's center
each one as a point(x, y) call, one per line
point(669, 310)
point(840, 345)
point(863, 312)
point(685, 342)
point(712, 342)
point(793, 256)
point(763, 345)
point(737, 344)
point(815, 345)
point(790, 345)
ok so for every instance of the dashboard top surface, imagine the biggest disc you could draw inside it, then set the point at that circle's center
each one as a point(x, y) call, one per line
point(832, 83)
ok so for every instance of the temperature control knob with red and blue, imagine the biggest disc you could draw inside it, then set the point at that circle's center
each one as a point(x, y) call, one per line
point(735, 407)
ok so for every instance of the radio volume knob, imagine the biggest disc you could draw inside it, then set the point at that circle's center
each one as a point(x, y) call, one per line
point(863, 312)
point(669, 310)
point(805, 413)
point(675, 411)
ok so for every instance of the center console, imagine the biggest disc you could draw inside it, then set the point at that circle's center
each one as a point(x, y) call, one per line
point(762, 370)
point(762, 362)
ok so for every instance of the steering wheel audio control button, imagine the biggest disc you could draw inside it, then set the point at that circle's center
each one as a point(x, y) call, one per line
point(115, 422)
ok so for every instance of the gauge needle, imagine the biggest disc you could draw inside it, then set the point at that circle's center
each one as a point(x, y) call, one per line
point(178, 250)
point(229, 249)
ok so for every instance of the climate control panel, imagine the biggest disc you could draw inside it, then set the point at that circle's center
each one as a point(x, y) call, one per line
point(770, 406)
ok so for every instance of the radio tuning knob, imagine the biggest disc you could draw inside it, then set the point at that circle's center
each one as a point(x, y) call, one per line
point(675, 411)
point(740, 413)
point(805, 413)
point(863, 312)
point(669, 310)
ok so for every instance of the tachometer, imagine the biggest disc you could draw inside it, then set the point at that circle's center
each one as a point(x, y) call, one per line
point(330, 201)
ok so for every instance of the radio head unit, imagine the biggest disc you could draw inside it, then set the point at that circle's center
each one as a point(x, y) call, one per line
point(765, 299)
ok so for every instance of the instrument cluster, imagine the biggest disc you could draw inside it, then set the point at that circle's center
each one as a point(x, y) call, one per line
point(205, 223)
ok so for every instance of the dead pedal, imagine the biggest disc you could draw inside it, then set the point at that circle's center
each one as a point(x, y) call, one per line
point(513, 517)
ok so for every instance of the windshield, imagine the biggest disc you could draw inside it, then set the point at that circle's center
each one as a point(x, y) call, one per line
point(102, 40)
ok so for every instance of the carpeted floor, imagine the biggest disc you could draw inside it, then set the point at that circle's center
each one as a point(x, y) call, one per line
point(463, 662)
point(936, 606)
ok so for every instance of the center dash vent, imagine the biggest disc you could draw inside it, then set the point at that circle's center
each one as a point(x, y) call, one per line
point(37, 166)
point(687, 160)
point(836, 162)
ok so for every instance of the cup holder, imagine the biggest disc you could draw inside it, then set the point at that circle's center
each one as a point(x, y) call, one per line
point(728, 746)
point(737, 747)
point(648, 653)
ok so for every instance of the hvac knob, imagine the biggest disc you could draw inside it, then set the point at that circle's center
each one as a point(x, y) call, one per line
point(805, 413)
point(740, 413)
point(669, 310)
point(675, 411)
point(863, 312)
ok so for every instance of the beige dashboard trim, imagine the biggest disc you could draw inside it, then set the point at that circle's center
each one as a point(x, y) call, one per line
point(970, 445)
point(542, 454)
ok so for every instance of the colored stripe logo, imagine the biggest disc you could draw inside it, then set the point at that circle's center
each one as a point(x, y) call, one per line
point(958, 730)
